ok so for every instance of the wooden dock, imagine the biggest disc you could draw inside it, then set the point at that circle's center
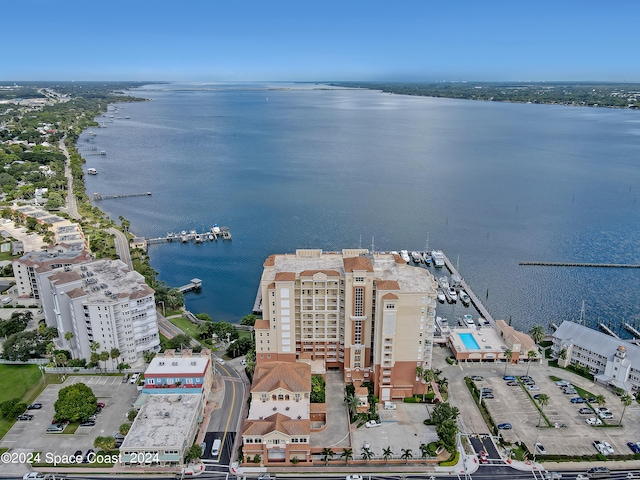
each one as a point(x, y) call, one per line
point(630, 328)
point(185, 236)
point(475, 301)
point(608, 331)
point(194, 284)
point(99, 196)
point(577, 264)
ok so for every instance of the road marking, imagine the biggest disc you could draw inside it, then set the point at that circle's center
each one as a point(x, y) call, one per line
point(226, 428)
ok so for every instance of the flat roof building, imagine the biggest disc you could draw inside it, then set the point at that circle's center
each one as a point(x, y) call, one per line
point(162, 432)
point(174, 372)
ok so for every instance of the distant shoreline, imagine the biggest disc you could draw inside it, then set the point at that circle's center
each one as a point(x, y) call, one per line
point(608, 95)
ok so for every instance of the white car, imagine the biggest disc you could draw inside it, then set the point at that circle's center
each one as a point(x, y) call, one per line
point(32, 476)
point(593, 421)
point(389, 406)
point(372, 424)
point(606, 415)
point(540, 448)
point(353, 477)
point(533, 387)
point(602, 410)
point(607, 448)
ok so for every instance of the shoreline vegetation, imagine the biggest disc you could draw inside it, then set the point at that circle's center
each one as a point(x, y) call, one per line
point(589, 94)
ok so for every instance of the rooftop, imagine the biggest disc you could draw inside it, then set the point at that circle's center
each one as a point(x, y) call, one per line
point(178, 365)
point(596, 341)
point(164, 421)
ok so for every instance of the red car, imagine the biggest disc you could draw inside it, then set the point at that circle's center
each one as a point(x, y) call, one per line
point(483, 457)
point(101, 405)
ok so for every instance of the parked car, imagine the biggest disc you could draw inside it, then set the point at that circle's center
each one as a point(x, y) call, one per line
point(125, 378)
point(353, 477)
point(118, 443)
point(569, 391)
point(117, 436)
point(101, 405)
point(608, 448)
point(598, 472)
point(477, 378)
point(32, 475)
point(533, 387)
point(512, 383)
point(25, 417)
point(578, 400)
point(55, 428)
point(372, 424)
point(88, 423)
point(540, 448)
point(488, 396)
point(593, 421)
point(509, 378)
point(86, 455)
point(505, 426)
point(563, 383)
point(34, 406)
point(483, 457)
point(389, 406)
point(606, 415)
point(78, 453)
point(243, 362)
point(634, 446)
point(585, 410)
point(602, 410)
point(525, 377)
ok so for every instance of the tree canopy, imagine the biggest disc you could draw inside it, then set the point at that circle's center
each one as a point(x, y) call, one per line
point(75, 403)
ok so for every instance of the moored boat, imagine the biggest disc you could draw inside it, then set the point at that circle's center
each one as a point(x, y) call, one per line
point(468, 321)
point(405, 256)
point(453, 296)
point(444, 282)
point(440, 295)
point(416, 257)
point(443, 325)
point(464, 297)
point(438, 258)
point(92, 171)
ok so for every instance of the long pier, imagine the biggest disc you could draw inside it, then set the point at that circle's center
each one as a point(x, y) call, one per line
point(192, 236)
point(99, 196)
point(475, 301)
point(577, 264)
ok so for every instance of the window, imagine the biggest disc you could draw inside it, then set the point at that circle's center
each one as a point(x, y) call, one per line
point(358, 308)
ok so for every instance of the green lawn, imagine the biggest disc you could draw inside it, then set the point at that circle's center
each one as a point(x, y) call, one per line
point(19, 381)
point(186, 326)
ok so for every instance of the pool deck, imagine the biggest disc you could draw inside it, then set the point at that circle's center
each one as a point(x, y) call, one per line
point(491, 346)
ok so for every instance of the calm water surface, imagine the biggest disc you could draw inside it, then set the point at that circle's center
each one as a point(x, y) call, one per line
point(291, 166)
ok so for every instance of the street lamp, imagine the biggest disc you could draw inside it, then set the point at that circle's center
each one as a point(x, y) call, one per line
point(162, 302)
point(44, 380)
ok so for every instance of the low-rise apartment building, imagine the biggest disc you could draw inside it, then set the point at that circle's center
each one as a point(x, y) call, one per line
point(185, 372)
point(613, 362)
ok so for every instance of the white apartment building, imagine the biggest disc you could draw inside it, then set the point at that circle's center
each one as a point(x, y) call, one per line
point(26, 267)
point(101, 301)
point(369, 315)
point(613, 362)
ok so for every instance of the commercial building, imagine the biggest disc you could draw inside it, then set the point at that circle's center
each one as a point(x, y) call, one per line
point(104, 302)
point(369, 315)
point(278, 426)
point(163, 431)
point(183, 372)
point(612, 361)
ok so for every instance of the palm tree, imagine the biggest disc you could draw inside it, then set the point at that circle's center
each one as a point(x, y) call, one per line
point(428, 376)
point(543, 399)
point(326, 454)
point(508, 355)
point(61, 359)
point(406, 455)
point(626, 400)
point(538, 333)
point(367, 454)
point(352, 404)
point(600, 400)
point(347, 454)
point(387, 454)
point(531, 354)
point(444, 383)
point(104, 356)
point(68, 336)
point(424, 450)
point(114, 354)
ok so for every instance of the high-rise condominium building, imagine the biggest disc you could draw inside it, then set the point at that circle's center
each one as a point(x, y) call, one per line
point(369, 315)
point(104, 302)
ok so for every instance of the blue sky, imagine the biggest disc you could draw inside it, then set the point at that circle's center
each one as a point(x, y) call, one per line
point(211, 40)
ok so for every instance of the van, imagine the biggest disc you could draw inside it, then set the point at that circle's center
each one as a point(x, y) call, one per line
point(389, 406)
point(215, 448)
point(7, 300)
point(134, 378)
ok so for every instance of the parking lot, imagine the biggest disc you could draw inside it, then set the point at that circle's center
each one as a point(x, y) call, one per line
point(514, 405)
point(399, 429)
point(31, 436)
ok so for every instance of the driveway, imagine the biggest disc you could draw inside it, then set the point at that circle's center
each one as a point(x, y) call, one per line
point(336, 433)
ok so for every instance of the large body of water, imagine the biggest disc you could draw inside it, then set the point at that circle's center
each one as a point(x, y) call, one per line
point(294, 166)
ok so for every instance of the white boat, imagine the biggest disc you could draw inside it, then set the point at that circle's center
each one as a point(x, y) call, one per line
point(468, 321)
point(193, 233)
point(426, 258)
point(416, 257)
point(210, 236)
point(444, 282)
point(183, 233)
point(464, 298)
point(198, 238)
point(440, 295)
point(215, 229)
point(405, 255)
point(456, 280)
point(452, 294)
point(443, 325)
point(438, 258)
point(92, 171)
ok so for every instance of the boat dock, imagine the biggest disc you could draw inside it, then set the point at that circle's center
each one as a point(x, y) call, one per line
point(99, 196)
point(475, 301)
point(185, 236)
point(629, 328)
point(608, 331)
point(577, 264)
point(194, 284)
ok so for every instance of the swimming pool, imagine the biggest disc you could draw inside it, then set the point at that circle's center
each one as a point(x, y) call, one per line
point(469, 342)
